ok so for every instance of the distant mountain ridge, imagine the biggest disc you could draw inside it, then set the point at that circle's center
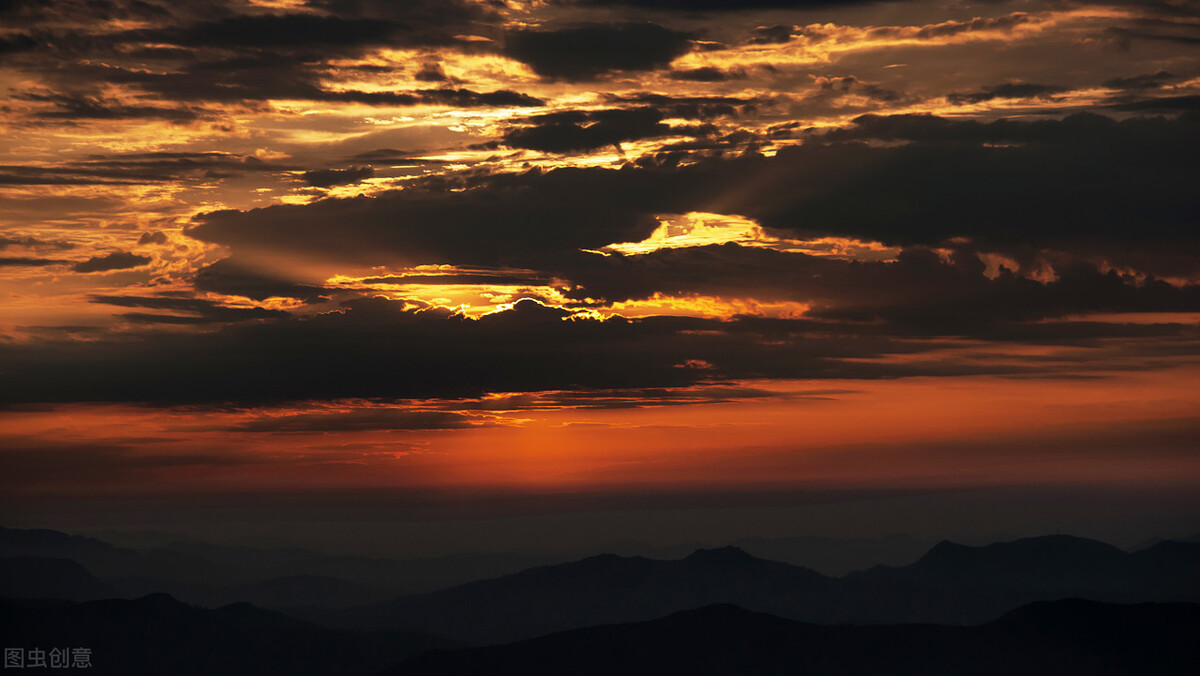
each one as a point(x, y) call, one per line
point(951, 584)
point(215, 575)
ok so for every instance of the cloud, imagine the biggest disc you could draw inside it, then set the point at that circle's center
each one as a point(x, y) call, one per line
point(391, 419)
point(200, 311)
point(374, 348)
point(689, 107)
point(229, 276)
point(327, 178)
point(150, 167)
point(117, 260)
point(707, 74)
point(83, 107)
point(724, 5)
point(588, 51)
point(275, 30)
point(261, 77)
point(1141, 82)
point(918, 291)
point(157, 238)
point(1008, 90)
point(28, 242)
point(377, 349)
point(22, 261)
point(1114, 190)
point(512, 220)
point(572, 131)
point(1186, 102)
point(431, 72)
point(777, 34)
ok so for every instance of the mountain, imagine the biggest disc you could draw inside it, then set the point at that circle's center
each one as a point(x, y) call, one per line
point(105, 561)
point(597, 590)
point(837, 556)
point(951, 584)
point(1062, 637)
point(278, 592)
point(211, 574)
point(28, 577)
point(158, 635)
point(983, 582)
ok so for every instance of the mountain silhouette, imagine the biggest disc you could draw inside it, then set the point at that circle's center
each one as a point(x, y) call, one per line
point(951, 584)
point(597, 590)
point(214, 575)
point(28, 577)
point(277, 592)
point(158, 635)
point(1052, 638)
point(980, 583)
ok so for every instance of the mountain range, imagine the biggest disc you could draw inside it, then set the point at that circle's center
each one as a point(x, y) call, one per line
point(951, 584)
point(1034, 605)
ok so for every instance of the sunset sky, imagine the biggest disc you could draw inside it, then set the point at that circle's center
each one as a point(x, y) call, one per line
point(433, 259)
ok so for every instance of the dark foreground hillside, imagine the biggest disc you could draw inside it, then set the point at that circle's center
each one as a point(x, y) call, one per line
point(1061, 638)
point(161, 636)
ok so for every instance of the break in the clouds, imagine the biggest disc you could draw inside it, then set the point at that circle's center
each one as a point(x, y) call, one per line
point(440, 221)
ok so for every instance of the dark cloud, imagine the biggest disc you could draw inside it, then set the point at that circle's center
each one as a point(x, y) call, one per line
point(419, 22)
point(374, 348)
point(573, 131)
point(28, 242)
point(949, 28)
point(918, 291)
point(431, 72)
point(849, 84)
point(327, 178)
point(497, 279)
point(689, 107)
point(1154, 31)
point(200, 311)
point(273, 76)
point(1187, 102)
point(771, 35)
point(83, 107)
point(707, 74)
point(1087, 184)
point(829, 96)
point(1140, 82)
point(232, 278)
point(359, 420)
point(18, 42)
point(1008, 90)
point(22, 261)
point(512, 220)
point(152, 238)
point(117, 260)
point(587, 51)
point(465, 98)
point(36, 12)
point(723, 5)
point(275, 30)
point(154, 167)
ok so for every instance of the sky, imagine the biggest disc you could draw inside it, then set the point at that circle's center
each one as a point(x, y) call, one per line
point(463, 262)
